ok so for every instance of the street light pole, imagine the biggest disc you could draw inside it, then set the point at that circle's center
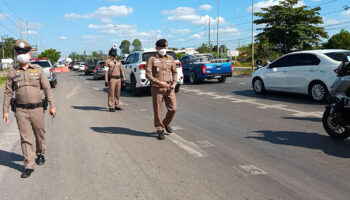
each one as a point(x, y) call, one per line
point(252, 35)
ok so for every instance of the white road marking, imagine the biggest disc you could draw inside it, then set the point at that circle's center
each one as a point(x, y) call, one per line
point(251, 170)
point(123, 104)
point(259, 105)
point(148, 117)
point(175, 128)
point(189, 147)
point(243, 83)
point(73, 92)
point(140, 110)
point(204, 144)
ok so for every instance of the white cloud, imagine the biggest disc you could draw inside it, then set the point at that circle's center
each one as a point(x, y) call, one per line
point(92, 37)
point(346, 13)
point(180, 31)
point(63, 37)
point(190, 15)
point(30, 32)
point(205, 7)
point(181, 40)
point(196, 36)
point(3, 16)
point(103, 12)
point(268, 3)
point(34, 25)
point(107, 20)
point(328, 22)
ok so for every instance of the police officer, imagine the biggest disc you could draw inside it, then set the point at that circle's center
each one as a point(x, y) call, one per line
point(161, 71)
point(114, 78)
point(26, 81)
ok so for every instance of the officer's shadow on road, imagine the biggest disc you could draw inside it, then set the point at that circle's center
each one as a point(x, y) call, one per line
point(8, 159)
point(90, 108)
point(127, 93)
point(122, 131)
point(307, 140)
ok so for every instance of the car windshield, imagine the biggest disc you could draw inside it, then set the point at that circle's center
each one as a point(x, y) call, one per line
point(338, 56)
point(201, 58)
point(147, 55)
point(42, 64)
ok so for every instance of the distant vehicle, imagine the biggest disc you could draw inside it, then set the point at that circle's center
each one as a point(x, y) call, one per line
point(82, 66)
point(306, 72)
point(90, 67)
point(135, 70)
point(76, 66)
point(199, 67)
point(99, 71)
point(48, 69)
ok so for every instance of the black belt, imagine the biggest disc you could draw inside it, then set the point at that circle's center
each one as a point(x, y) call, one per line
point(30, 105)
point(115, 77)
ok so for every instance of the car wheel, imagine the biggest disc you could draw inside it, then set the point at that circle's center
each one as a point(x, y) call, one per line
point(177, 88)
point(222, 79)
point(258, 86)
point(318, 91)
point(193, 78)
point(52, 84)
point(134, 90)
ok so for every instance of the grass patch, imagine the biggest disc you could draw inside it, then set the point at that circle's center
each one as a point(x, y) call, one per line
point(243, 72)
point(3, 80)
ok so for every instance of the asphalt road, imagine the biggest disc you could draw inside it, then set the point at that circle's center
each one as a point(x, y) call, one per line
point(228, 144)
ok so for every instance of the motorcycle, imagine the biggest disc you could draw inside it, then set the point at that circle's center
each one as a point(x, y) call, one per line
point(336, 117)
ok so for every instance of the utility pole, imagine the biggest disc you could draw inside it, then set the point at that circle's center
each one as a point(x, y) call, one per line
point(20, 28)
point(252, 35)
point(217, 32)
point(209, 36)
point(27, 32)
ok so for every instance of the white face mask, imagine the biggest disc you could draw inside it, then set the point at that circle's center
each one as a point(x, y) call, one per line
point(23, 58)
point(162, 52)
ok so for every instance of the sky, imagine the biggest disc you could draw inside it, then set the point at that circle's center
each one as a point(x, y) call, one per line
point(94, 25)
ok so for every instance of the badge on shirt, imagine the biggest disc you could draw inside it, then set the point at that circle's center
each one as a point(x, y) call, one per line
point(34, 72)
point(17, 74)
point(156, 61)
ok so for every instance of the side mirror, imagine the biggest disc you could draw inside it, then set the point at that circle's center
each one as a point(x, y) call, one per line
point(123, 62)
point(259, 62)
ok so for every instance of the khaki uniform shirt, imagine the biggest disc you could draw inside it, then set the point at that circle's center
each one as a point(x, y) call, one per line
point(161, 69)
point(114, 68)
point(27, 85)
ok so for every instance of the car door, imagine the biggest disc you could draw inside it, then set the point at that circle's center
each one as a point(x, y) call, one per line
point(127, 65)
point(305, 67)
point(275, 77)
point(185, 66)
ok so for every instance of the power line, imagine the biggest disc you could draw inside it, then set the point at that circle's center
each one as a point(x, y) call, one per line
point(11, 9)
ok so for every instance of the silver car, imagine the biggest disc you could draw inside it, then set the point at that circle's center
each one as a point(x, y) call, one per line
point(99, 71)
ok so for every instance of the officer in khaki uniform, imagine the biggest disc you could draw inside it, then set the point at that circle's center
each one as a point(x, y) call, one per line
point(161, 71)
point(114, 78)
point(26, 81)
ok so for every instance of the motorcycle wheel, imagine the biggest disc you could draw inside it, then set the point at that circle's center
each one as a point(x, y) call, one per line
point(333, 128)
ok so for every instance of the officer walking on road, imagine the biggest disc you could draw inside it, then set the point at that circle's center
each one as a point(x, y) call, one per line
point(161, 71)
point(114, 78)
point(26, 81)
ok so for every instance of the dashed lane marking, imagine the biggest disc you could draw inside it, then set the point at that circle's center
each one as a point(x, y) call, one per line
point(259, 105)
point(204, 144)
point(73, 92)
point(176, 128)
point(189, 147)
point(243, 83)
point(251, 170)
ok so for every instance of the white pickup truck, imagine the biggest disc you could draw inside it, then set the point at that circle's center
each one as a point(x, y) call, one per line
point(48, 69)
point(135, 70)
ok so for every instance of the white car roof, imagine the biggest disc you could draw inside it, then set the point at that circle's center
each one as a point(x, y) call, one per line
point(321, 51)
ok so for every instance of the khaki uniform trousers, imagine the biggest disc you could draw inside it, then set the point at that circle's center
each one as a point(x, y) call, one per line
point(114, 92)
point(29, 121)
point(158, 96)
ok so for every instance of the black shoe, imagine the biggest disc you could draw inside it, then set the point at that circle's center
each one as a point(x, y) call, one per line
point(40, 160)
point(169, 129)
point(118, 108)
point(26, 173)
point(161, 135)
point(111, 110)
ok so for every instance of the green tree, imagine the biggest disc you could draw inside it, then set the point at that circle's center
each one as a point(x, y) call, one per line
point(74, 56)
point(51, 54)
point(340, 40)
point(125, 47)
point(8, 47)
point(136, 44)
point(94, 54)
point(203, 49)
point(289, 27)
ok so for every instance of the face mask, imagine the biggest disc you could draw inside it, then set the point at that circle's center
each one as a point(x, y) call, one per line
point(162, 52)
point(23, 58)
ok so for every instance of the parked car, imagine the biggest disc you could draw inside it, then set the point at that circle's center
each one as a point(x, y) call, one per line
point(76, 66)
point(199, 67)
point(306, 72)
point(48, 69)
point(135, 70)
point(82, 66)
point(90, 67)
point(99, 71)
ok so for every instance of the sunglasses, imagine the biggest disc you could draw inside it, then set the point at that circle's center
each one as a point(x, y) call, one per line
point(22, 51)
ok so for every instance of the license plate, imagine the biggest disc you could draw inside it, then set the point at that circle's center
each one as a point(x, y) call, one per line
point(217, 76)
point(218, 68)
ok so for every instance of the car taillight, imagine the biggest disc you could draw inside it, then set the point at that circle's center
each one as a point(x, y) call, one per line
point(204, 69)
point(179, 65)
point(142, 67)
point(232, 67)
point(336, 71)
point(98, 67)
point(51, 72)
point(86, 67)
